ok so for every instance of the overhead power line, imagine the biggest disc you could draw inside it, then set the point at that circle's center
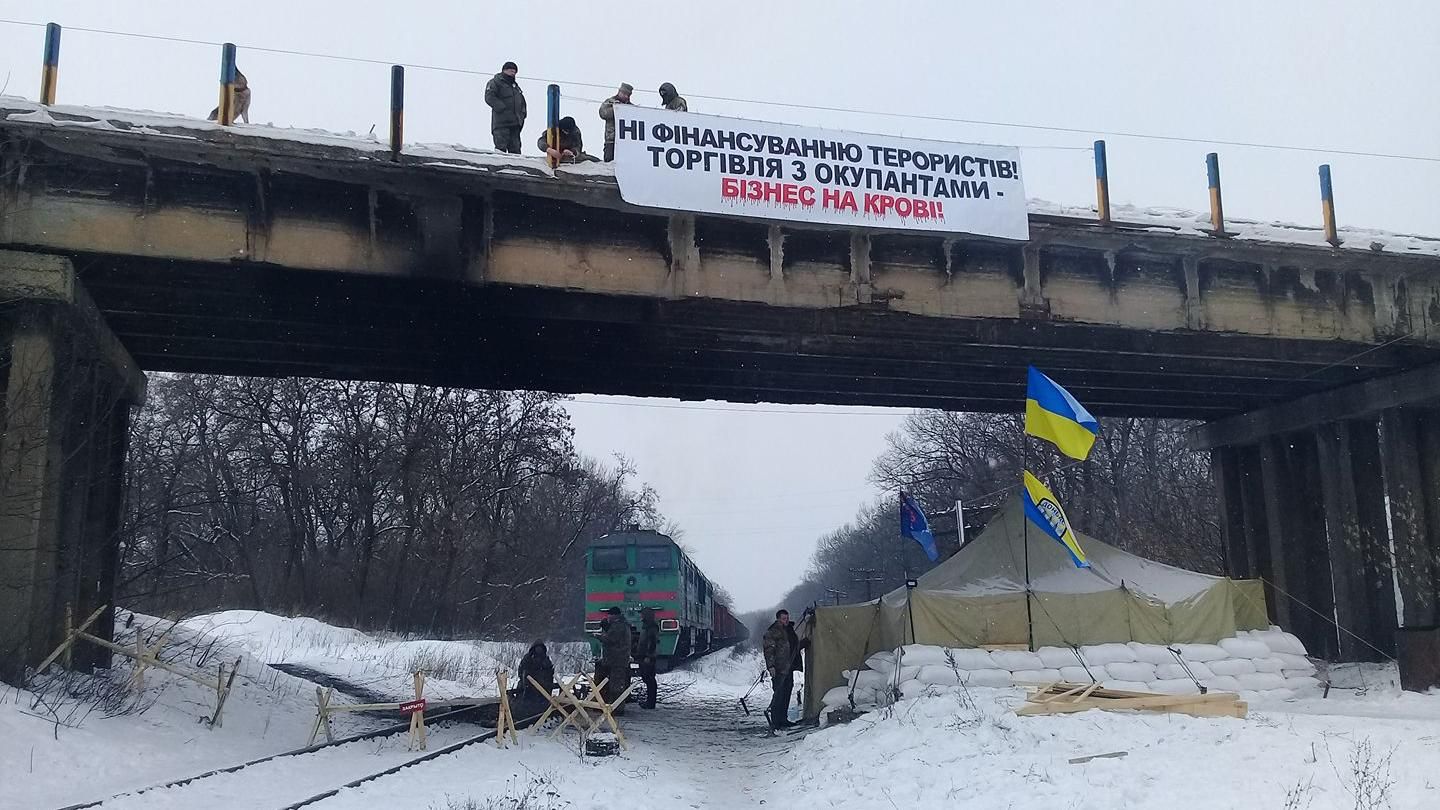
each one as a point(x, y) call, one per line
point(784, 104)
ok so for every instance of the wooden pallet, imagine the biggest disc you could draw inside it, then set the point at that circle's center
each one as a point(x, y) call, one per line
point(1064, 698)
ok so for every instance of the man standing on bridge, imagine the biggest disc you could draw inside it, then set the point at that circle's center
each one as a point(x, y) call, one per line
point(607, 112)
point(645, 652)
point(507, 108)
point(782, 651)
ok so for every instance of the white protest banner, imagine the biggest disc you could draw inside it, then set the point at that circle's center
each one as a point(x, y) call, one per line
point(708, 164)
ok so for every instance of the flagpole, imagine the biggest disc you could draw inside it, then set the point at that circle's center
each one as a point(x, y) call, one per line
point(1025, 542)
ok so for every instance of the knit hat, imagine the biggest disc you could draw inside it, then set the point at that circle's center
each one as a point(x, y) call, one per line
point(510, 66)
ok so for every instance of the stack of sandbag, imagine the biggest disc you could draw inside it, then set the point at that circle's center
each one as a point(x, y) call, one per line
point(1259, 665)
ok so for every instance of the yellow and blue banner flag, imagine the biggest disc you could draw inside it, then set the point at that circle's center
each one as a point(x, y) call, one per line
point(1055, 416)
point(1042, 509)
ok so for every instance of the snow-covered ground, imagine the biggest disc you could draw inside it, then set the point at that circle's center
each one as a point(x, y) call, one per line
point(383, 664)
point(700, 750)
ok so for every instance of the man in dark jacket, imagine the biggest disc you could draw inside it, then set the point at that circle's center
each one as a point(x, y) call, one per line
point(782, 652)
point(614, 655)
point(536, 664)
point(672, 100)
point(607, 114)
point(645, 653)
point(572, 145)
point(507, 108)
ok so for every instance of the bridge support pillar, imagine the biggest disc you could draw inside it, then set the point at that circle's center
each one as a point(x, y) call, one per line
point(67, 386)
point(1350, 525)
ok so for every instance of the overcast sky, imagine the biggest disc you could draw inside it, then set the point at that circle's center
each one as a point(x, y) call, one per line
point(753, 488)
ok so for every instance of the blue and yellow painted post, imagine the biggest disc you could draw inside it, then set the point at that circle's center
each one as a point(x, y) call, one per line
point(1217, 208)
point(226, 115)
point(397, 110)
point(1327, 206)
point(50, 64)
point(1102, 184)
point(552, 122)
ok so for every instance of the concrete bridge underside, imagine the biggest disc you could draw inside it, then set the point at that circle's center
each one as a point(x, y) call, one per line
point(216, 251)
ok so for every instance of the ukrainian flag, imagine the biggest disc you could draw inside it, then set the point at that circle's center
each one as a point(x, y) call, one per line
point(1044, 511)
point(1053, 415)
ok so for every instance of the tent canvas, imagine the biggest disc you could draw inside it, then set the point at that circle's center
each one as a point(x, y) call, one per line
point(977, 598)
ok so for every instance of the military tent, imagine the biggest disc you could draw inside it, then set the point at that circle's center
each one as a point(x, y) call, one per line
point(977, 598)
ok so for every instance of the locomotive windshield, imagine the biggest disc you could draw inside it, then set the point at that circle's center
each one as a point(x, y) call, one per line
point(608, 558)
point(652, 559)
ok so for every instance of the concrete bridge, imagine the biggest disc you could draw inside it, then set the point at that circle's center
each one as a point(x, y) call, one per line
point(148, 242)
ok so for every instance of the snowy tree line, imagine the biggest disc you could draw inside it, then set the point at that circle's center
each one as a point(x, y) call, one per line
point(432, 510)
point(1141, 489)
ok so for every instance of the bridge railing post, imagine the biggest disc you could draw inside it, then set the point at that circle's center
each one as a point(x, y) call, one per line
point(228, 76)
point(1327, 206)
point(397, 110)
point(50, 64)
point(552, 123)
point(1217, 207)
point(1102, 184)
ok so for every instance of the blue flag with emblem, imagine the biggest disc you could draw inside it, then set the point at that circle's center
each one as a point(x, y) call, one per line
point(914, 526)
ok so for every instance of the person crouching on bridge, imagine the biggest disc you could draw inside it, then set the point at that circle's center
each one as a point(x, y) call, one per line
point(645, 653)
point(572, 146)
point(614, 665)
point(607, 113)
point(537, 665)
point(782, 657)
point(671, 99)
point(507, 108)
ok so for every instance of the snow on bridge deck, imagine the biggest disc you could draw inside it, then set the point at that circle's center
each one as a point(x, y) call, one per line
point(16, 110)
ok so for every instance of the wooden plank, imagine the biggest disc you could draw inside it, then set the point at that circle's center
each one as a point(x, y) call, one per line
point(69, 640)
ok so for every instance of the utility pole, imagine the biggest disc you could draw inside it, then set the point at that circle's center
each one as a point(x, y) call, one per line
point(837, 595)
point(866, 575)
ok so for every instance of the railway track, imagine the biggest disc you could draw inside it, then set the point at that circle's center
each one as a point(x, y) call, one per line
point(436, 754)
point(126, 797)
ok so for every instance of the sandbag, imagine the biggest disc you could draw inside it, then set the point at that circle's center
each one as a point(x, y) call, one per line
point(1302, 684)
point(919, 655)
point(1056, 657)
point(938, 675)
point(1267, 664)
point(1105, 654)
point(909, 673)
point(1127, 686)
point(1201, 652)
point(1279, 641)
point(968, 658)
point(1013, 660)
point(1261, 681)
point(1222, 683)
point(1175, 672)
point(1233, 666)
point(1174, 687)
point(1032, 676)
point(1135, 671)
point(1151, 653)
point(987, 677)
point(1079, 674)
point(839, 696)
point(882, 661)
point(1244, 648)
point(913, 689)
point(1299, 663)
point(870, 679)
